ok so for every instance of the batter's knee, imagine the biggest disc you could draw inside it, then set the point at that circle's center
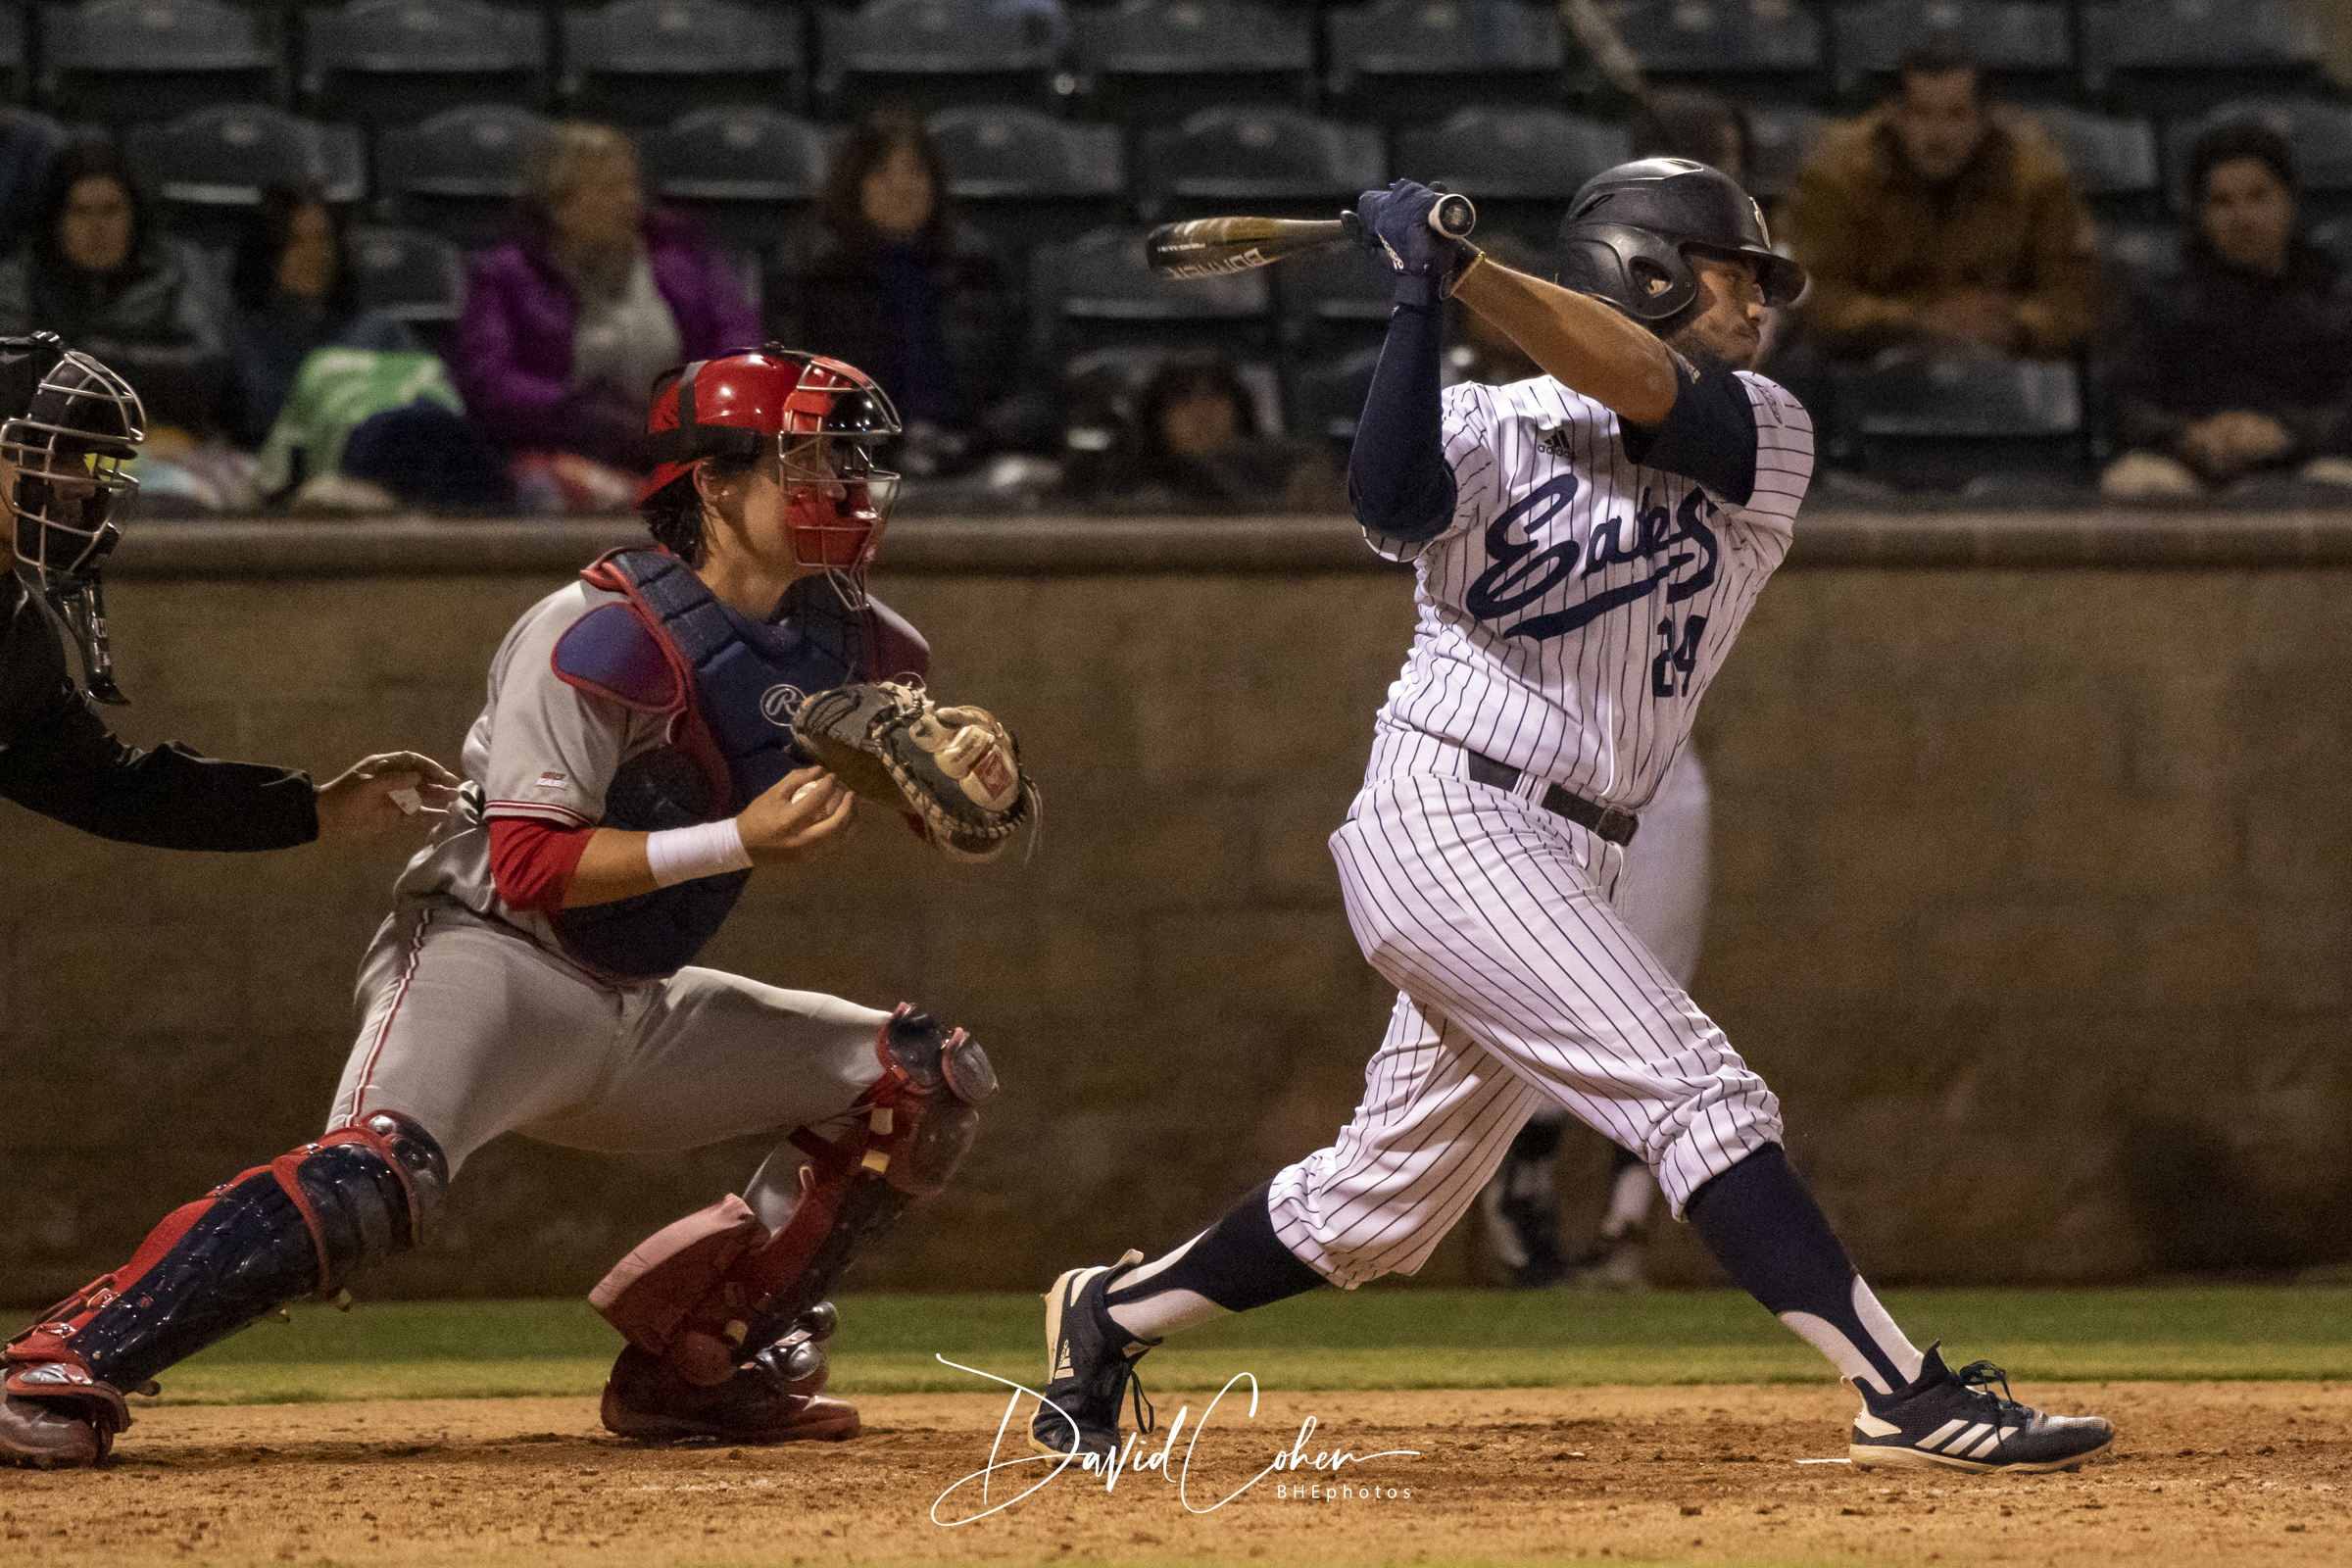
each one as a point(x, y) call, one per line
point(1718, 1124)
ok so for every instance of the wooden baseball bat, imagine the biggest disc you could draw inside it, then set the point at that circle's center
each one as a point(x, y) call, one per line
point(1215, 247)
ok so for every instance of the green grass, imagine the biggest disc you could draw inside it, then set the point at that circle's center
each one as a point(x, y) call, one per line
point(1379, 1338)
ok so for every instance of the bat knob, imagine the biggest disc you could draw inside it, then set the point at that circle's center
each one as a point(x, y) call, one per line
point(1454, 216)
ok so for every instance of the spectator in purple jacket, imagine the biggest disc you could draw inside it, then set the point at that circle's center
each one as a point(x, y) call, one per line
point(565, 326)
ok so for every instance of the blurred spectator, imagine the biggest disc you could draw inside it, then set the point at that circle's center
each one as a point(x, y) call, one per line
point(28, 141)
point(290, 289)
point(2243, 361)
point(885, 277)
point(93, 269)
point(1194, 444)
point(1690, 123)
point(1935, 221)
point(565, 326)
point(1475, 349)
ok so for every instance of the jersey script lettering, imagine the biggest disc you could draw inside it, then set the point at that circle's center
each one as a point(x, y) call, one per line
point(1522, 573)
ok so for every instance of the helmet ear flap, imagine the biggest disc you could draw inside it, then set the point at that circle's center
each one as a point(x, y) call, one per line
point(1643, 274)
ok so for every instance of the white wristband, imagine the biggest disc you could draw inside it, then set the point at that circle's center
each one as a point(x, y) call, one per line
point(682, 853)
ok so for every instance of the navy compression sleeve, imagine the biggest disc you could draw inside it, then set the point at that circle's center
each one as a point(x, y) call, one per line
point(1400, 485)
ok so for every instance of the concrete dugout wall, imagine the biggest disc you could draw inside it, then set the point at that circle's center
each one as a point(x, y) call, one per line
point(2032, 893)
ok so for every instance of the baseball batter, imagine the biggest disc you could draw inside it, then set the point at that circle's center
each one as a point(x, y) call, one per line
point(1586, 545)
point(634, 761)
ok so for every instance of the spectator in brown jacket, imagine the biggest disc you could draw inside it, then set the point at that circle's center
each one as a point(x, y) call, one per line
point(1939, 221)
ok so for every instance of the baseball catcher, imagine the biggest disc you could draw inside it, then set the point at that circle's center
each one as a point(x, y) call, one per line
point(634, 763)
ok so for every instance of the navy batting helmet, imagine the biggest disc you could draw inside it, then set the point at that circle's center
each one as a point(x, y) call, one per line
point(1626, 233)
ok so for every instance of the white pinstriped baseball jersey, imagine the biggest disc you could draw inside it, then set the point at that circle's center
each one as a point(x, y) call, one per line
point(1572, 613)
point(1579, 604)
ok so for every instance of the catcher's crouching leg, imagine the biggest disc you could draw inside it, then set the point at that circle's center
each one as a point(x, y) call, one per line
point(726, 1323)
point(306, 1223)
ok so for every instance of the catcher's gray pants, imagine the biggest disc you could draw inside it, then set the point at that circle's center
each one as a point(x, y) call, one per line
point(1520, 987)
point(474, 1030)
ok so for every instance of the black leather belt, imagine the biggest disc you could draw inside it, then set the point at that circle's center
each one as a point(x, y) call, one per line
point(1612, 822)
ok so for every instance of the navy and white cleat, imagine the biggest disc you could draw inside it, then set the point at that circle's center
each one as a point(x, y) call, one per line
point(1090, 1365)
point(1953, 1421)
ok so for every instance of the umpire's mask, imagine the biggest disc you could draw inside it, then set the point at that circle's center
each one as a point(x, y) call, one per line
point(69, 425)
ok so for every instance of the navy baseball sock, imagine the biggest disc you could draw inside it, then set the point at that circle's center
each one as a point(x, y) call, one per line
point(1760, 1221)
point(1234, 1265)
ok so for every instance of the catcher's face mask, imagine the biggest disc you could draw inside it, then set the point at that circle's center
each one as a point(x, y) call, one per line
point(821, 417)
point(67, 426)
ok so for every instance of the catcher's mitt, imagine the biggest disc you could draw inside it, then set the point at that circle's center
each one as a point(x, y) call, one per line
point(956, 770)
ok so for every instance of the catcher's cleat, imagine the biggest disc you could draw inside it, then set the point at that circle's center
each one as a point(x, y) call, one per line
point(1090, 1365)
point(777, 1397)
point(67, 1429)
point(1954, 1421)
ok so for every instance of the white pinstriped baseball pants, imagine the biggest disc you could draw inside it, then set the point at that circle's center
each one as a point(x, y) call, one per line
point(1518, 985)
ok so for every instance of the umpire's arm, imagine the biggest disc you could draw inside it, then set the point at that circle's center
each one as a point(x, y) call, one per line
point(68, 765)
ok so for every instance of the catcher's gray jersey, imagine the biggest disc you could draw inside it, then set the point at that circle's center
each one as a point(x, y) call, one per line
point(1579, 604)
point(542, 750)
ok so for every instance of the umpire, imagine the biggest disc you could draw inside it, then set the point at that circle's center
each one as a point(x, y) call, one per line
point(67, 426)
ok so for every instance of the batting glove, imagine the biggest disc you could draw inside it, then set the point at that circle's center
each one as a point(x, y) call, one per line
point(1395, 223)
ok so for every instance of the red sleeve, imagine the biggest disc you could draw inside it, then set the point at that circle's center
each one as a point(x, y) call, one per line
point(532, 862)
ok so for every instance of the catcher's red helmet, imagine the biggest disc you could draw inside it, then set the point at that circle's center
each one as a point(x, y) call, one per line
point(741, 404)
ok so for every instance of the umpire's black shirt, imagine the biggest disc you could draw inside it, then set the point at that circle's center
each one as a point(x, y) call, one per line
point(58, 758)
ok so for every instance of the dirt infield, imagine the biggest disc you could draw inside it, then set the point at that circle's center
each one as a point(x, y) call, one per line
point(2209, 1473)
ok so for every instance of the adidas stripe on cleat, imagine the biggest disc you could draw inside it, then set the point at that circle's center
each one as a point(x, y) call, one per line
point(1953, 1421)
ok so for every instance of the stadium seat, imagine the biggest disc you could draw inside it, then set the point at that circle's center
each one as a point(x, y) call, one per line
point(1407, 61)
point(647, 62)
point(1780, 137)
point(1097, 291)
point(2114, 160)
point(119, 61)
point(460, 173)
point(737, 165)
point(2176, 57)
point(2025, 48)
point(1146, 61)
point(396, 61)
point(1028, 179)
point(1747, 48)
point(1326, 399)
point(1332, 302)
point(406, 272)
point(2336, 238)
point(1520, 164)
point(937, 54)
point(1944, 423)
point(1281, 162)
point(2141, 250)
point(209, 168)
point(2320, 134)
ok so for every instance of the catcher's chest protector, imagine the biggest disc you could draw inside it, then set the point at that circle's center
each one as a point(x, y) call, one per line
point(730, 686)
